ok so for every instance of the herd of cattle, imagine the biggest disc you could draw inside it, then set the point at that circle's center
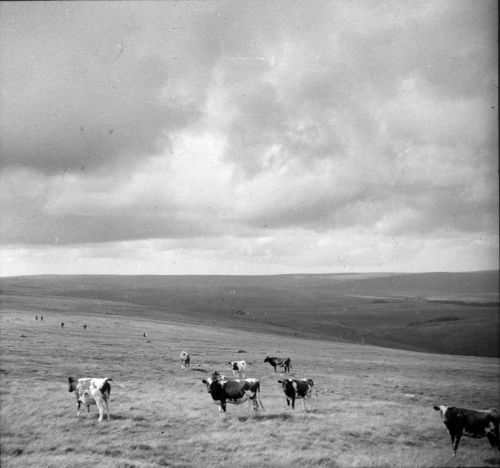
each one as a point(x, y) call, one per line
point(237, 389)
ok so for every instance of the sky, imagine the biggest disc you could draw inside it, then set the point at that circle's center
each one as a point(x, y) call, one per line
point(263, 137)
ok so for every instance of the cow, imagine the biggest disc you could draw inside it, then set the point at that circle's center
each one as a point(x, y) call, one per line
point(62, 324)
point(238, 368)
point(185, 360)
point(286, 363)
point(84, 326)
point(471, 423)
point(297, 389)
point(91, 391)
point(235, 391)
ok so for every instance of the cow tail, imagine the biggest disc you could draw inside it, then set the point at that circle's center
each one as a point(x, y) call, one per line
point(257, 396)
point(115, 382)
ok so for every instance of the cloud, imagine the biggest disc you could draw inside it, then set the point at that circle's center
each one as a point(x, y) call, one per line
point(220, 120)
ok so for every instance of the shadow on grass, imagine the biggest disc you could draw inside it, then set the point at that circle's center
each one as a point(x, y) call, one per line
point(266, 417)
point(197, 369)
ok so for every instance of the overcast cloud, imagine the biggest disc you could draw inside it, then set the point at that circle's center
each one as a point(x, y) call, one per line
point(248, 137)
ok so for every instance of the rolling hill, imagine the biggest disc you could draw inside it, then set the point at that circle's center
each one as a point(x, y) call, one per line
point(452, 313)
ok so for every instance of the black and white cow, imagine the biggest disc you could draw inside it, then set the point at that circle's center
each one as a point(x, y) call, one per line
point(301, 389)
point(185, 360)
point(471, 423)
point(285, 363)
point(238, 368)
point(91, 391)
point(235, 391)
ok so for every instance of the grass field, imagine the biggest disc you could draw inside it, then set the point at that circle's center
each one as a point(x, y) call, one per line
point(452, 313)
point(373, 404)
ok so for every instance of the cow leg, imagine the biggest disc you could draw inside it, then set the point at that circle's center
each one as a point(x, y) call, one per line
point(222, 408)
point(100, 406)
point(79, 403)
point(259, 401)
point(492, 433)
point(457, 441)
point(106, 405)
point(253, 408)
point(492, 439)
point(305, 404)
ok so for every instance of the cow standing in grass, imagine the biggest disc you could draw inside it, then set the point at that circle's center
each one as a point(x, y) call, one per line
point(471, 423)
point(235, 391)
point(285, 363)
point(91, 391)
point(297, 389)
point(185, 360)
point(238, 368)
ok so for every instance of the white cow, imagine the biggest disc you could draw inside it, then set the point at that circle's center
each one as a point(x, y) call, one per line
point(91, 391)
point(185, 360)
point(238, 368)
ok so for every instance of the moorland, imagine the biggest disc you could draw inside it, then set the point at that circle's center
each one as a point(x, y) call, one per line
point(373, 403)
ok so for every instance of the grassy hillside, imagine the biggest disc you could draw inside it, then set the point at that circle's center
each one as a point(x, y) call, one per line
point(373, 405)
point(454, 313)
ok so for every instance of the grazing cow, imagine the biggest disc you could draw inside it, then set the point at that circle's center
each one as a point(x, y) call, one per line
point(471, 423)
point(238, 368)
point(84, 326)
point(185, 360)
point(62, 324)
point(286, 363)
point(91, 391)
point(235, 391)
point(41, 318)
point(297, 389)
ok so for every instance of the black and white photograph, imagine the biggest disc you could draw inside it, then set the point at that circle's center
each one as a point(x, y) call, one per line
point(258, 233)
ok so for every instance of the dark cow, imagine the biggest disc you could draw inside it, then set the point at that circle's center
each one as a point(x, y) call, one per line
point(286, 363)
point(297, 389)
point(84, 326)
point(62, 324)
point(471, 423)
point(235, 391)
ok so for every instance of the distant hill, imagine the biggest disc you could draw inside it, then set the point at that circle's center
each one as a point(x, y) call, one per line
point(454, 313)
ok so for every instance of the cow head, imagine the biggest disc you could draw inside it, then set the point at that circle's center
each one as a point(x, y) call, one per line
point(214, 386)
point(267, 359)
point(287, 384)
point(443, 409)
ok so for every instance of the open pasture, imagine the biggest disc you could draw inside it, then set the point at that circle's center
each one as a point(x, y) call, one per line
point(373, 405)
point(452, 313)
